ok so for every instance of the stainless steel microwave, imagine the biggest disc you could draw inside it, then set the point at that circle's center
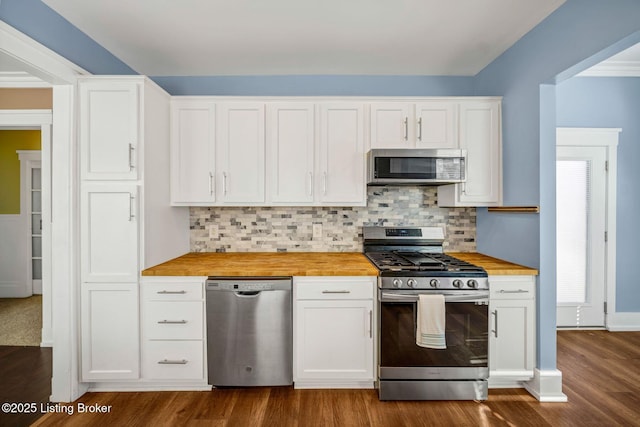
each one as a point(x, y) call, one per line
point(415, 166)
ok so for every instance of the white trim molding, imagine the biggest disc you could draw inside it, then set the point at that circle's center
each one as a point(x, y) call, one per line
point(623, 322)
point(608, 138)
point(546, 386)
point(24, 119)
point(35, 59)
point(613, 69)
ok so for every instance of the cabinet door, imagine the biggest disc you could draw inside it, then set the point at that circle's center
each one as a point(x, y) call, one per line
point(436, 125)
point(342, 156)
point(240, 153)
point(392, 125)
point(511, 339)
point(109, 230)
point(192, 152)
point(480, 136)
point(109, 130)
point(291, 128)
point(110, 348)
point(334, 340)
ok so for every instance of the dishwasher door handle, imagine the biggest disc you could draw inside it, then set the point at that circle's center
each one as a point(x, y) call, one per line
point(247, 294)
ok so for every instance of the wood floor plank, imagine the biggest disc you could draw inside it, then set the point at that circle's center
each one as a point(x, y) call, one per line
point(601, 377)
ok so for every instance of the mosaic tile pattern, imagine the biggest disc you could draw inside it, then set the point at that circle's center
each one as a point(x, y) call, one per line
point(289, 229)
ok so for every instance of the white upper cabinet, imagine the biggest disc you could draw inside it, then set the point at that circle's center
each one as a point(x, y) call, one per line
point(436, 124)
point(193, 137)
point(311, 152)
point(295, 153)
point(290, 147)
point(480, 136)
point(390, 125)
point(427, 124)
point(109, 130)
point(240, 155)
point(342, 154)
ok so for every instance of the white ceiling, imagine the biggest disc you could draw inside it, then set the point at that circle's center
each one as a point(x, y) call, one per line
point(266, 37)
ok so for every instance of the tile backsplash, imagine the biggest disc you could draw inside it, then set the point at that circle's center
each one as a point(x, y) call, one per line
point(289, 229)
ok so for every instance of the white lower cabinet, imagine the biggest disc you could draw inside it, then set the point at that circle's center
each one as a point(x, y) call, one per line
point(109, 329)
point(511, 330)
point(334, 332)
point(173, 346)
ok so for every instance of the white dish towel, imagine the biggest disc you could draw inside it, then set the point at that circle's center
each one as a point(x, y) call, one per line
point(431, 322)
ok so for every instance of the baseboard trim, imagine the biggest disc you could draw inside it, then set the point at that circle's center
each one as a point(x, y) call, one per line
point(310, 384)
point(546, 386)
point(623, 322)
point(148, 386)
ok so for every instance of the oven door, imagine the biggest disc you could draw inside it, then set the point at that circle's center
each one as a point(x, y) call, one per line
point(466, 333)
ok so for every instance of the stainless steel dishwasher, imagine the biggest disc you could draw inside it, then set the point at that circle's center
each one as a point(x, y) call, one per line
point(249, 331)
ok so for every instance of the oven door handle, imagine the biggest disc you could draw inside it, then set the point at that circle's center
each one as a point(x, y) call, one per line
point(399, 297)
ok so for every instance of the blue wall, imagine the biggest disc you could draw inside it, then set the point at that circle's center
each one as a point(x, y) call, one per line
point(41, 23)
point(318, 85)
point(613, 103)
point(577, 35)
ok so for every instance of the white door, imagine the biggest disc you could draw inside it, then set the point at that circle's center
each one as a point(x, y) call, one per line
point(192, 152)
point(290, 144)
point(110, 345)
point(334, 339)
point(109, 230)
point(35, 218)
point(480, 137)
point(109, 128)
point(581, 204)
point(391, 125)
point(240, 153)
point(342, 156)
point(436, 125)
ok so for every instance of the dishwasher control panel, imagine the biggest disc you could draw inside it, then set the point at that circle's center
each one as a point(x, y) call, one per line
point(248, 285)
point(239, 286)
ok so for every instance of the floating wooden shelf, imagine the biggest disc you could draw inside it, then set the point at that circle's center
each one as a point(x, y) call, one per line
point(515, 209)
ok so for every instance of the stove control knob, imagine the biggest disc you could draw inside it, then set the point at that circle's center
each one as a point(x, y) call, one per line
point(457, 283)
point(411, 283)
point(472, 284)
point(397, 283)
point(434, 283)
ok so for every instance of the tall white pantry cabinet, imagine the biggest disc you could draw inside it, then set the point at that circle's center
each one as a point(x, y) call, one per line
point(126, 222)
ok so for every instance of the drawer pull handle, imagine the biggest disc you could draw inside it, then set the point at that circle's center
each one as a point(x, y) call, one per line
point(172, 292)
point(519, 291)
point(173, 362)
point(336, 292)
point(172, 322)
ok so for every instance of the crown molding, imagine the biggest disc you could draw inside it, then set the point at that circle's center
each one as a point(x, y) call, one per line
point(613, 69)
point(20, 79)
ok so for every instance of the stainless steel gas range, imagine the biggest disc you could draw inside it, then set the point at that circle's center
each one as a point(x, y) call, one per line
point(413, 268)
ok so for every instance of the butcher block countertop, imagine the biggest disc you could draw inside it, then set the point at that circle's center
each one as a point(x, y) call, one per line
point(265, 264)
point(494, 266)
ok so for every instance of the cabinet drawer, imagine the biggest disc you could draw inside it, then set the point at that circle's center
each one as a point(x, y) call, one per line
point(173, 360)
point(167, 291)
point(173, 320)
point(333, 289)
point(512, 287)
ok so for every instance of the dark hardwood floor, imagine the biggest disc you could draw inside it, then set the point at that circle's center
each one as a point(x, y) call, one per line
point(25, 377)
point(601, 377)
